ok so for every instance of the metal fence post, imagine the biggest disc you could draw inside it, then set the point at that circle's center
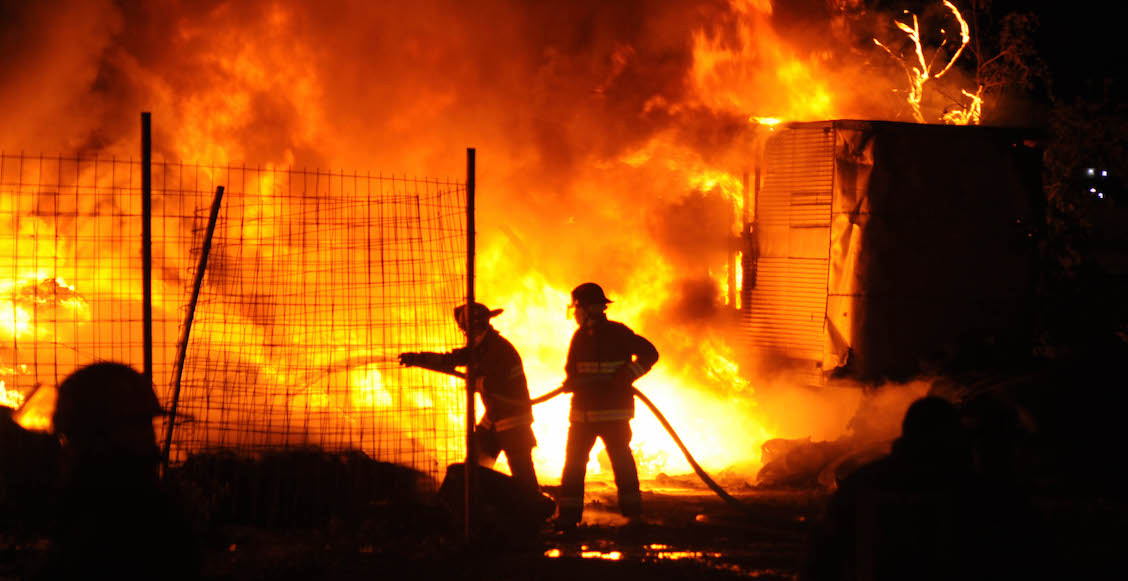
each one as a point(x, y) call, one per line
point(147, 244)
point(186, 330)
point(471, 368)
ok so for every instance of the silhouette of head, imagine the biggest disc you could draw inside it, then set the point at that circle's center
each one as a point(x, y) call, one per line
point(108, 407)
point(932, 422)
point(480, 316)
point(588, 294)
point(588, 301)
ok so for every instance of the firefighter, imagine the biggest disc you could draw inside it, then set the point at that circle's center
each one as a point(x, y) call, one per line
point(114, 517)
point(500, 380)
point(604, 359)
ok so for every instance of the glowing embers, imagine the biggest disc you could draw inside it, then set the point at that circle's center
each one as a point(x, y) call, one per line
point(667, 553)
point(654, 552)
point(608, 556)
point(586, 552)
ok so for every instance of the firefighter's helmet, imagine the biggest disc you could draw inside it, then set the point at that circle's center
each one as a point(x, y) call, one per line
point(103, 395)
point(589, 293)
point(480, 314)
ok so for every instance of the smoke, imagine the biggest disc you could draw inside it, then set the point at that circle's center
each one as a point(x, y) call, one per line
point(594, 122)
point(50, 72)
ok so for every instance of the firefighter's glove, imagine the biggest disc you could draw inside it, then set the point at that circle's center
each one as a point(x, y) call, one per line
point(409, 359)
point(569, 385)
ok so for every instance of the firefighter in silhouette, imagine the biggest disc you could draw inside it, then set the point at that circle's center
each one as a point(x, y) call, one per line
point(923, 512)
point(604, 359)
point(115, 519)
point(500, 380)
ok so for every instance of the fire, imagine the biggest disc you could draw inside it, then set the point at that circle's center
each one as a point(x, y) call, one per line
point(697, 384)
point(13, 399)
point(732, 75)
point(919, 70)
point(592, 131)
point(970, 114)
point(32, 306)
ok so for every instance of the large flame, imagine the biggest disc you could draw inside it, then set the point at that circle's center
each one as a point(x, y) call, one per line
point(613, 141)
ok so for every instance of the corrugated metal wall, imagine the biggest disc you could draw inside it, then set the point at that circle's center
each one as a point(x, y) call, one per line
point(788, 304)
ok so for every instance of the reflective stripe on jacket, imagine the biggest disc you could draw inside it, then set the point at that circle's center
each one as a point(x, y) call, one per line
point(603, 362)
point(507, 423)
point(589, 416)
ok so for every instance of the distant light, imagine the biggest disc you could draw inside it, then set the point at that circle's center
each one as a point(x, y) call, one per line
point(1100, 195)
point(1104, 173)
point(1090, 171)
point(1092, 190)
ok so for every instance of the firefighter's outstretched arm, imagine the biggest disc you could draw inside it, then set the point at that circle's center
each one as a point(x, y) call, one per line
point(441, 362)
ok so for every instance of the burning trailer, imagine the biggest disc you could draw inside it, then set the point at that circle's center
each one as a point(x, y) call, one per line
point(881, 250)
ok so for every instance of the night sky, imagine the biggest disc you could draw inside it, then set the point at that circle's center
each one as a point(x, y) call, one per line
point(1082, 43)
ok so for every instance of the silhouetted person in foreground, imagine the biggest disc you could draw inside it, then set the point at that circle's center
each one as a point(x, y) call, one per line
point(500, 380)
point(923, 512)
point(29, 463)
point(114, 520)
point(604, 359)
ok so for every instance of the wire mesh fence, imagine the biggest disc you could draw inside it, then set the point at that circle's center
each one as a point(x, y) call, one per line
point(315, 281)
point(70, 268)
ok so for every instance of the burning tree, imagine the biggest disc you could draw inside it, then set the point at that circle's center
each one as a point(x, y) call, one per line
point(1005, 57)
point(1003, 61)
point(920, 70)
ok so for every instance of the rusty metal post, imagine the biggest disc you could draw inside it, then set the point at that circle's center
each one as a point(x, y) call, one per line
point(147, 245)
point(186, 330)
point(471, 367)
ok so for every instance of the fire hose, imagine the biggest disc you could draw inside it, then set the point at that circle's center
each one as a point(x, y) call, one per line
point(704, 476)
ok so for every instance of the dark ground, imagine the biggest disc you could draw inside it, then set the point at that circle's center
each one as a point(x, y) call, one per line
point(312, 516)
point(691, 534)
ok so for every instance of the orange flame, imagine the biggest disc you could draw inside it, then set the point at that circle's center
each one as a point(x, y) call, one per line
point(588, 142)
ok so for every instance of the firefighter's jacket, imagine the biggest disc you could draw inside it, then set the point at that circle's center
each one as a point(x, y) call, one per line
point(603, 362)
point(499, 378)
